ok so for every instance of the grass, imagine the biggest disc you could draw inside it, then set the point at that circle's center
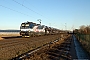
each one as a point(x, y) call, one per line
point(8, 35)
point(85, 41)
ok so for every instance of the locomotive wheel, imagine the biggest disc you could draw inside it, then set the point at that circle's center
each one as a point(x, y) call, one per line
point(29, 35)
point(23, 36)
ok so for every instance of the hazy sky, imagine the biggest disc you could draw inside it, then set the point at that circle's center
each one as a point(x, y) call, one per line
point(54, 13)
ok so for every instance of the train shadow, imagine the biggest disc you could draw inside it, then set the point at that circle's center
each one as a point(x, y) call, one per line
point(9, 37)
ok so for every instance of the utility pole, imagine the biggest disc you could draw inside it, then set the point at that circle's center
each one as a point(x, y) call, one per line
point(39, 21)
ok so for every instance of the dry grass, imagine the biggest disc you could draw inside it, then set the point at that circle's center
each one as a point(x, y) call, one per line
point(85, 42)
point(1, 38)
point(8, 35)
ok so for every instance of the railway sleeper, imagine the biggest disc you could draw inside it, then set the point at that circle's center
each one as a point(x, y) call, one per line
point(66, 55)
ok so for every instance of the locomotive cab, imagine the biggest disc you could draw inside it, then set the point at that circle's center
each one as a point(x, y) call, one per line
point(26, 29)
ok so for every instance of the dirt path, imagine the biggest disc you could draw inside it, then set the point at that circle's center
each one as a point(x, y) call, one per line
point(72, 50)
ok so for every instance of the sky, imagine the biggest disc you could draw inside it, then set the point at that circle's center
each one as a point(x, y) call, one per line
point(61, 14)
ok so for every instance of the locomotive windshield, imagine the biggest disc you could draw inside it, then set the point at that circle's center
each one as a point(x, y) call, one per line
point(22, 24)
point(27, 25)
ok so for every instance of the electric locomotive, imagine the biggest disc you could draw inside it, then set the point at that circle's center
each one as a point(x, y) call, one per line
point(33, 29)
point(27, 28)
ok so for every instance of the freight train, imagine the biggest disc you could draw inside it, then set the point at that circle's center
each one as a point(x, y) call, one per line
point(33, 29)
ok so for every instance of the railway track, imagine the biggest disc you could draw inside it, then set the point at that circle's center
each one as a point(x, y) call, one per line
point(35, 50)
point(10, 48)
point(57, 49)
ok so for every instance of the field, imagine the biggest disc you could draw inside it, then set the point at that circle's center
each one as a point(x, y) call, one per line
point(8, 34)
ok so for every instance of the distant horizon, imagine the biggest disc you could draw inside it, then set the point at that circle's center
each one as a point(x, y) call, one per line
point(9, 29)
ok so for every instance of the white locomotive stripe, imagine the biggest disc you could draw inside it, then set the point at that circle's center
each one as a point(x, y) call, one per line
point(26, 29)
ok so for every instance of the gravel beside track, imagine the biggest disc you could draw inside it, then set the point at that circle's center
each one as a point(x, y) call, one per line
point(59, 50)
point(13, 47)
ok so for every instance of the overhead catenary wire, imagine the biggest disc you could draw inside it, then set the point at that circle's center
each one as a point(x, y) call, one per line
point(37, 9)
point(28, 8)
point(16, 11)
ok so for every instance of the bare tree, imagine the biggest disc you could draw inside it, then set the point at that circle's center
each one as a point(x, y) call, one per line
point(82, 28)
point(87, 29)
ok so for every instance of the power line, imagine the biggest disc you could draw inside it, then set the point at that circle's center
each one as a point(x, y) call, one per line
point(34, 7)
point(28, 8)
point(15, 11)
